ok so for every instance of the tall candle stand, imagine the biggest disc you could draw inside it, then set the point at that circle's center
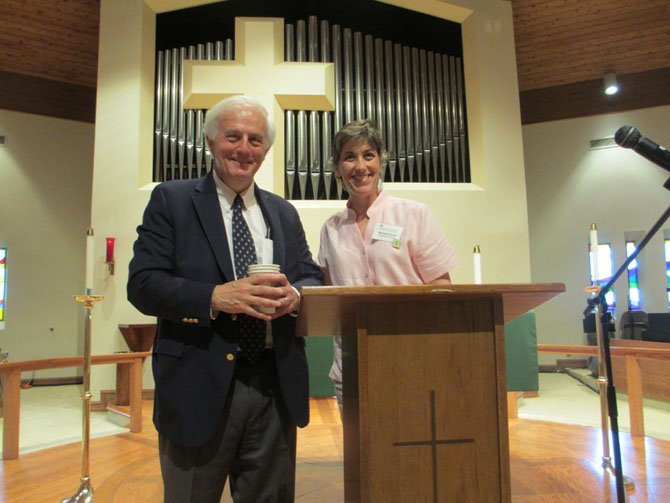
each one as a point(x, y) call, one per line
point(608, 406)
point(85, 492)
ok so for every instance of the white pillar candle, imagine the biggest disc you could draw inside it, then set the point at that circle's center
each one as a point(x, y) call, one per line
point(593, 236)
point(89, 260)
point(477, 259)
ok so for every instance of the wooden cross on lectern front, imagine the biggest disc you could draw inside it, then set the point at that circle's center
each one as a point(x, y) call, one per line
point(259, 70)
point(433, 443)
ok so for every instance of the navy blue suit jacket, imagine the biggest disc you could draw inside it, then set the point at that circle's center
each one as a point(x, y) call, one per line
point(180, 255)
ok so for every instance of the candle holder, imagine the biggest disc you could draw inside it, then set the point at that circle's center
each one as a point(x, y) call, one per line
point(84, 493)
point(109, 254)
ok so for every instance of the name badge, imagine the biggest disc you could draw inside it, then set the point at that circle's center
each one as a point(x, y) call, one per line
point(388, 233)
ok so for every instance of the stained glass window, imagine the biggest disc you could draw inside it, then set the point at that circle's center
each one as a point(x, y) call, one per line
point(667, 266)
point(3, 283)
point(634, 303)
point(605, 271)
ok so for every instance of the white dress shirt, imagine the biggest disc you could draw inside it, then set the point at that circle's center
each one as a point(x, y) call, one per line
point(260, 232)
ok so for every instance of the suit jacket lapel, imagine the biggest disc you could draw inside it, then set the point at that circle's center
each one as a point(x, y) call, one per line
point(271, 214)
point(207, 206)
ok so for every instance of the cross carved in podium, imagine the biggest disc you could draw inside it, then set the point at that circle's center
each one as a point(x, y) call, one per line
point(434, 442)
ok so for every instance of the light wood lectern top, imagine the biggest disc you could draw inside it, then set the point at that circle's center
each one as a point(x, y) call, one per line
point(425, 404)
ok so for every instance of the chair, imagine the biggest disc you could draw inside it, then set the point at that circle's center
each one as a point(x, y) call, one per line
point(632, 324)
point(589, 326)
point(658, 329)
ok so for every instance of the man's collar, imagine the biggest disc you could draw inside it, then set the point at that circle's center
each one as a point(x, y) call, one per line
point(248, 195)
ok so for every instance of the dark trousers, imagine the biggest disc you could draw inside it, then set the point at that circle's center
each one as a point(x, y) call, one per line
point(254, 446)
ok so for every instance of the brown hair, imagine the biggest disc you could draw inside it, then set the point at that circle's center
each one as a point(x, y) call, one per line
point(359, 130)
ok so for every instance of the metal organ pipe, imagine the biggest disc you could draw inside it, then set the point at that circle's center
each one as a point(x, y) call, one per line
point(414, 95)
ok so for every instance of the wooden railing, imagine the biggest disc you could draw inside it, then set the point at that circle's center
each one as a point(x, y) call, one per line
point(10, 372)
point(632, 356)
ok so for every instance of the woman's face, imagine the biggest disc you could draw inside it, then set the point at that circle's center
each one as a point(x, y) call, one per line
point(360, 168)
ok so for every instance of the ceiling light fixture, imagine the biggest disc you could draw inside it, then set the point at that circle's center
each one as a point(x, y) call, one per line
point(611, 84)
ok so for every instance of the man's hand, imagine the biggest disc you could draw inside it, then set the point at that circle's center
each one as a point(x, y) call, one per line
point(290, 301)
point(250, 295)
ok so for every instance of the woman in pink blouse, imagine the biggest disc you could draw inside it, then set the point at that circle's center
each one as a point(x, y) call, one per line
point(377, 239)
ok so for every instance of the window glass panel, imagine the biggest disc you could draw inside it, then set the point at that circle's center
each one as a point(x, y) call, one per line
point(634, 302)
point(3, 282)
point(605, 271)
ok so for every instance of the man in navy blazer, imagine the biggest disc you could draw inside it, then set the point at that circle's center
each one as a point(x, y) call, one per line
point(219, 414)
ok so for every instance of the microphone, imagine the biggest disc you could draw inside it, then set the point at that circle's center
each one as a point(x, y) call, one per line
point(630, 137)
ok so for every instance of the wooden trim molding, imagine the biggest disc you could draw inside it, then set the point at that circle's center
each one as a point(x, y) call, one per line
point(50, 381)
point(638, 90)
point(35, 95)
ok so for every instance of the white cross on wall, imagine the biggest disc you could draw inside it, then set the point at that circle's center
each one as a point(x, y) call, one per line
point(259, 70)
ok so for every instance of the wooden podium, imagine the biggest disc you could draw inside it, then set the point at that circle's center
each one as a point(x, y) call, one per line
point(425, 408)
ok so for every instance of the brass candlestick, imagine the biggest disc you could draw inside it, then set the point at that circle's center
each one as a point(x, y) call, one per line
point(84, 493)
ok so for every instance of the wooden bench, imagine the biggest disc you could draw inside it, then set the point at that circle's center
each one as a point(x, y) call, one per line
point(10, 373)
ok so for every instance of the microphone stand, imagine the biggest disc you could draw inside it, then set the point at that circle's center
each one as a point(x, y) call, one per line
point(598, 302)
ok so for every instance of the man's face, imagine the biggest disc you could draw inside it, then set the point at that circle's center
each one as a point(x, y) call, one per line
point(239, 147)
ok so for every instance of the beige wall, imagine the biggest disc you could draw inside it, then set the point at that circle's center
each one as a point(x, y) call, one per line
point(570, 187)
point(45, 198)
point(45, 192)
point(490, 212)
point(122, 165)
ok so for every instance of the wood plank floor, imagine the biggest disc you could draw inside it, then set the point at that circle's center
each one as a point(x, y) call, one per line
point(550, 462)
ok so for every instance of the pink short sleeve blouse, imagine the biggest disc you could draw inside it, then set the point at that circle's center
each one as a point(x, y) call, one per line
point(421, 253)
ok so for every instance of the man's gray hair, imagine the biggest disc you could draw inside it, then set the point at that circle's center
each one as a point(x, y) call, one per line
point(236, 102)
